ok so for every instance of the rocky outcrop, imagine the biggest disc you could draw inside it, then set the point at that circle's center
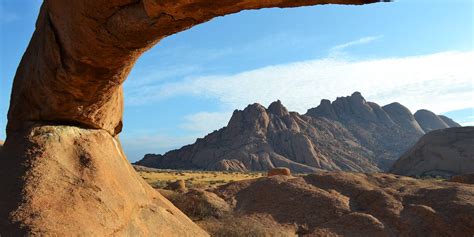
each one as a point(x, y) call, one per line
point(351, 204)
point(430, 121)
point(451, 123)
point(64, 179)
point(68, 181)
point(348, 134)
point(444, 152)
point(386, 131)
point(257, 138)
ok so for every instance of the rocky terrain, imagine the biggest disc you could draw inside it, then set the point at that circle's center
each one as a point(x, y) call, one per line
point(332, 204)
point(62, 170)
point(348, 134)
point(444, 152)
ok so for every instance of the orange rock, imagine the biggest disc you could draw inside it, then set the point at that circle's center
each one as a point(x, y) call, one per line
point(279, 171)
point(62, 179)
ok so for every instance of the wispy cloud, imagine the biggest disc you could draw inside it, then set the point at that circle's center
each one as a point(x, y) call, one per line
point(204, 122)
point(341, 47)
point(440, 82)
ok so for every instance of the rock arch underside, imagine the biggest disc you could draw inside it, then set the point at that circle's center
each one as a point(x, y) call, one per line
point(62, 167)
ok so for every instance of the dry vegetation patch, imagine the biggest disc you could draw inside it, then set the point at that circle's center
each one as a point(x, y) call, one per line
point(158, 178)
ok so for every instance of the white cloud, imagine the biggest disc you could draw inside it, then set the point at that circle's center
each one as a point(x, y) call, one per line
point(365, 40)
point(204, 122)
point(439, 82)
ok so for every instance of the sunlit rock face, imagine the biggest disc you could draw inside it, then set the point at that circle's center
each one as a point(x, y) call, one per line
point(349, 134)
point(62, 166)
point(444, 152)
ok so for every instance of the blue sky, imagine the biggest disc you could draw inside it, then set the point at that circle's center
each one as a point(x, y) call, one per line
point(417, 52)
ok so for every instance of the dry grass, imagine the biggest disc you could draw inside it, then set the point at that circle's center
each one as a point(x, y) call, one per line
point(194, 179)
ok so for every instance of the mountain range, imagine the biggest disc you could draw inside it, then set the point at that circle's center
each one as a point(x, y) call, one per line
point(348, 134)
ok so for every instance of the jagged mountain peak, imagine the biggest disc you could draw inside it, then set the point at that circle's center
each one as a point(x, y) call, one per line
point(278, 108)
point(348, 134)
point(357, 96)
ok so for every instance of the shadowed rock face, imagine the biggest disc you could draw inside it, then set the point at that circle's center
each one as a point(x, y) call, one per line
point(451, 123)
point(349, 134)
point(63, 181)
point(443, 152)
point(430, 121)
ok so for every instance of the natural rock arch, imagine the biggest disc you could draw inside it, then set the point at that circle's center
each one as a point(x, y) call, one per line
point(62, 169)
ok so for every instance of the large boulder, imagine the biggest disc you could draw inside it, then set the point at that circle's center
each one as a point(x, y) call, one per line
point(444, 152)
point(279, 171)
point(64, 179)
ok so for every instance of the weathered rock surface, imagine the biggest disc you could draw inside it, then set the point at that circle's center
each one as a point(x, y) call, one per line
point(62, 179)
point(444, 152)
point(354, 204)
point(349, 134)
point(75, 181)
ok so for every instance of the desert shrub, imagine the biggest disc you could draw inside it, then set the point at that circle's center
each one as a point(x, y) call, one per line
point(230, 227)
point(159, 184)
point(178, 185)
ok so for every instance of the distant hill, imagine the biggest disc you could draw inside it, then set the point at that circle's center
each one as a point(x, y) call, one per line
point(348, 134)
point(444, 152)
